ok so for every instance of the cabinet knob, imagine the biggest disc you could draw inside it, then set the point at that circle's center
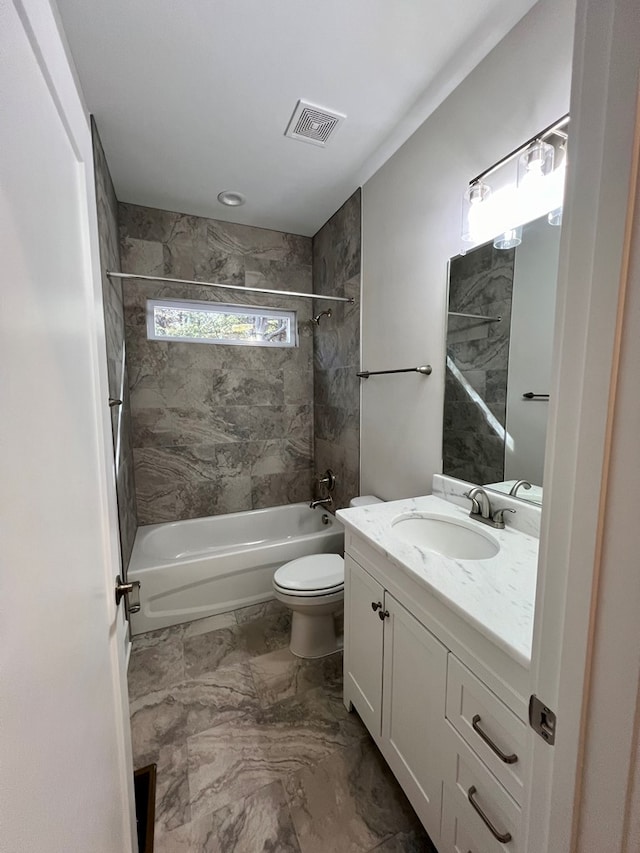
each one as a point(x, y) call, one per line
point(383, 614)
point(376, 605)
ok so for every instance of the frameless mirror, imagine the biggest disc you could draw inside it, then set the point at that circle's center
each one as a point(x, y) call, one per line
point(499, 345)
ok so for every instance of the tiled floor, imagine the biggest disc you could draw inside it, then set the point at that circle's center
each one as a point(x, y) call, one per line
point(255, 750)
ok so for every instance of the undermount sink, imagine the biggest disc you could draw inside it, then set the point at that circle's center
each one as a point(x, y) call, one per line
point(449, 537)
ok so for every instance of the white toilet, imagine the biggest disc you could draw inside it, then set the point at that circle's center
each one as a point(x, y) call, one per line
point(313, 588)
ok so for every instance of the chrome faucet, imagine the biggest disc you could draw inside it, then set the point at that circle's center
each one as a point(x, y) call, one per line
point(524, 483)
point(481, 508)
point(480, 504)
point(329, 482)
point(328, 501)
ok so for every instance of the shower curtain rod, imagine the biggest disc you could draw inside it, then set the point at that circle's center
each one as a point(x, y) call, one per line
point(128, 275)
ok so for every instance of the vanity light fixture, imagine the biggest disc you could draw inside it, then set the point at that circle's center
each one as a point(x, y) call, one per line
point(476, 194)
point(536, 163)
point(509, 239)
point(528, 187)
point(231, 198)
point(555, 216)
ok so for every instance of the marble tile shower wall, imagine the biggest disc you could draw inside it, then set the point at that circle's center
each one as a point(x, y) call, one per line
point(480, 282)
point(336, 270)
point(216, 428)
point(107, 205)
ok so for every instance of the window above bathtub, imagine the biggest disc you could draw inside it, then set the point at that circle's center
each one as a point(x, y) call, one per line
point(214, 323)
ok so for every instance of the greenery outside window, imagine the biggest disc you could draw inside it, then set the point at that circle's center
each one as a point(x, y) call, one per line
point(214, 323)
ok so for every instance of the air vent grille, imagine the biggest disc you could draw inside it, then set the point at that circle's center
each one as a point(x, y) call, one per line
point(314, 124)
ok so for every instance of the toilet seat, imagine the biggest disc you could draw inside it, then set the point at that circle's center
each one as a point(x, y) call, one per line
point(315, 575)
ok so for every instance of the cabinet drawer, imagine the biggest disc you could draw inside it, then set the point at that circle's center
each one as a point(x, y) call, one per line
point(455, 836)
point(467, 782)
point(494, 732)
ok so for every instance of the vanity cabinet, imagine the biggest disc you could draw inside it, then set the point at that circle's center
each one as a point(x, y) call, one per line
point(476, 806)
point(459, 751)
point(414, 677)
point(363, 602)
point(395, 675)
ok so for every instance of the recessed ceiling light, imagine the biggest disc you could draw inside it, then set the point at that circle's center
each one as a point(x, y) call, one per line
point(231, 198)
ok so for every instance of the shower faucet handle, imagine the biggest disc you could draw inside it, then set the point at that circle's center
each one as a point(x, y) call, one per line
point(329, 480)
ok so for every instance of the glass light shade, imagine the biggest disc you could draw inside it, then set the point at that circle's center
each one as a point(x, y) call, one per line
point(555, 217)
point(475, 196)
point(535, 162)
point(511, 238)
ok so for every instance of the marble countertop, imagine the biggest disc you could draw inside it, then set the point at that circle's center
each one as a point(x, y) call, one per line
point(496, 595)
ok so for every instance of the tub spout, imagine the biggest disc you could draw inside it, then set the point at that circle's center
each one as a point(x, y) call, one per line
point(328, 501)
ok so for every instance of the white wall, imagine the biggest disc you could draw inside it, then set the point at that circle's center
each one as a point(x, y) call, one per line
point(411, 226)
point(531, 345)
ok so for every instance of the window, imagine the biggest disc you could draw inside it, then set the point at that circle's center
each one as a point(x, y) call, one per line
point(213, 323)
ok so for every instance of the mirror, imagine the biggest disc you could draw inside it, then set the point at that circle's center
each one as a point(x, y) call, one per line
point(499, 347)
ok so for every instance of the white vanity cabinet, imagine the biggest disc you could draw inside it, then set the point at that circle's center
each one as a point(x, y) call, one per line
point(414, 677)
point(363, 641)
point(458, 750)
point(395, 675)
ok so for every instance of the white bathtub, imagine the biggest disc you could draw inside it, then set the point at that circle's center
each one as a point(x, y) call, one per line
point(204, 566)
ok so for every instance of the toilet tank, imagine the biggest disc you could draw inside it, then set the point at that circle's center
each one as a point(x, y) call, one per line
point(365, 500)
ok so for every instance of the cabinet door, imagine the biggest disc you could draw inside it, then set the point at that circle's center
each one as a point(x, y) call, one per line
point(363, 633)
point(415, 676)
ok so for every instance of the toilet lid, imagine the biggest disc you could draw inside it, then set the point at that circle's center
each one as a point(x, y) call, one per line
point(315, 573)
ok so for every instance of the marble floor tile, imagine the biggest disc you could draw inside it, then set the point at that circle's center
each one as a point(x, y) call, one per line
point(218, 697)
point(206, 652)
point(160, 635)
point(260, 823)
point(235, 759)
point(161, 717)
point(349, 802)
point(273, 607)
point(415, 841)
point(210, 623)
point(174, 840)
point(280, 675)
point(271, 632)
point(255, 750)
point(173, 807)
point(158, 720)
point(156, 663)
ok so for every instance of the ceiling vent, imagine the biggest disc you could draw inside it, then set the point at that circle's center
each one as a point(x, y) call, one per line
point(314, 124)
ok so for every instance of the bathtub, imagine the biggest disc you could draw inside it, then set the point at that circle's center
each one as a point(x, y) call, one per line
point(204, 566)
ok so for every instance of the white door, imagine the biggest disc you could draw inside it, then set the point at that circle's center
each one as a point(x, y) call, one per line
point(66, 758)
point(587, 611)
point(363, 633)
point(413, 715)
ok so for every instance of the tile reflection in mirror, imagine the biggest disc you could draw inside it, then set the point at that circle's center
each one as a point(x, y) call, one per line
point(491, 433)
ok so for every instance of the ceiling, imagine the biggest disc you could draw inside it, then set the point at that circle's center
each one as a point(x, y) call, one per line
point(193, 97)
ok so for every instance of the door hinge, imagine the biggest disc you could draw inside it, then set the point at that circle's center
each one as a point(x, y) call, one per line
point(542, 720)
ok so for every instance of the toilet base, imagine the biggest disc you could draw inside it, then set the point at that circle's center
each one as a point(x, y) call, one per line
point(313, 635)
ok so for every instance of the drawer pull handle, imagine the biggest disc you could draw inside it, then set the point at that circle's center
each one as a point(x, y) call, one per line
point(508, 759)
point(376, 605)
point(502, 837)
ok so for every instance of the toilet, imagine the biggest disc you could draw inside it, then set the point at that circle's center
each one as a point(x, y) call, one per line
point(312, 588)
